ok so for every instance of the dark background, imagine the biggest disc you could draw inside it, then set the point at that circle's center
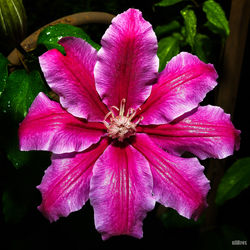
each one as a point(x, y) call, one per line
point(77, 231)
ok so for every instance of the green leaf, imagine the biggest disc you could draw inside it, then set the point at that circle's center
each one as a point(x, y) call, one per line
point(168, 47)
point(171, 219)
point(18, 158)
point(52, 34)
point(13, 20)
point(164, 29)
point(202, 47)
point(3, 72)
point(165, 3)
point(20, 91)
point(217, 21)
point(190, 23)
point(235, 180)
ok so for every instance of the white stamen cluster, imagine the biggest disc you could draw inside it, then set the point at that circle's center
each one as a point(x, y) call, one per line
point(121, 127)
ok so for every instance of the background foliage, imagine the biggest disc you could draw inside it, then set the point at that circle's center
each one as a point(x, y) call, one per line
point(198, 26)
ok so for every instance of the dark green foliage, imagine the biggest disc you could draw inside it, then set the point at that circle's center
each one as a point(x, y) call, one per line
point(190, 24)
point(217, 21)
point(235, 180)
point(3, 72)
point(196, 26)
point(165, 3)
point(20, 91)
point(167, 48)
point(52, 34)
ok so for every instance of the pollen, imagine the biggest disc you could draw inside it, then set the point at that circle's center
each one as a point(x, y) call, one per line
point(121, 126)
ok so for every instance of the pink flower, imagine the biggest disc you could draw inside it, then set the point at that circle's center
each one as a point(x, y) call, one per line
point(120, 128)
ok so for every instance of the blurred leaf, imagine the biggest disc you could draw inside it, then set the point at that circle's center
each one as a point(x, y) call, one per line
point(235, 180)
point(12, 20)
point(18, 158)
point(10, 143)
point(178, 36)
point(164, 29)
point(171, 219)
point(168, 47)
point(217, 21)
point(202, 47)
point(190, 23)
point(52, 34)
point(20, 91)
point(165, 3)
point(3, 72)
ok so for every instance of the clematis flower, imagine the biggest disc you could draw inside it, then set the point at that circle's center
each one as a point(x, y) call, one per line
point(120, 128)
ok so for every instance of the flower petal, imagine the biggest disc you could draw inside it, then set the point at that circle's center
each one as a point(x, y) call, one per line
point(72, 78)
point(49, 127)
point(127, 63)
point(121, 191)
point(206, 132)
point(65, 185)
point(181, 86)
point(179, 183)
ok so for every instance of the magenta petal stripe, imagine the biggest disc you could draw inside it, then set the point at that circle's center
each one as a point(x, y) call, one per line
point(179, 183)
point(72, 78)
point(121, 191)
point(127, 63)
point(206, 132)
point(49, 127)
point(181, 86)
point(65, 185)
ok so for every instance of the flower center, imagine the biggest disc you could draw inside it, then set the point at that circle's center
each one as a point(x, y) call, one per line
point(121, 126)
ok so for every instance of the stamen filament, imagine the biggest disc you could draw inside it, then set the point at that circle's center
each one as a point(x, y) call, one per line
point(114, 107)
point(139, 120)
point(132, 115)
point(107, 115)
point(106, 124)
point(130, 111)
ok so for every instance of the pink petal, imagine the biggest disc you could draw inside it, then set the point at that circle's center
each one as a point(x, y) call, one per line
point(179, 183)
point(206, 132)
point(121, 191)
point(127, 63)
point(181, 86)
point(72, 78)
point(65, 185)
point(49, 127)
